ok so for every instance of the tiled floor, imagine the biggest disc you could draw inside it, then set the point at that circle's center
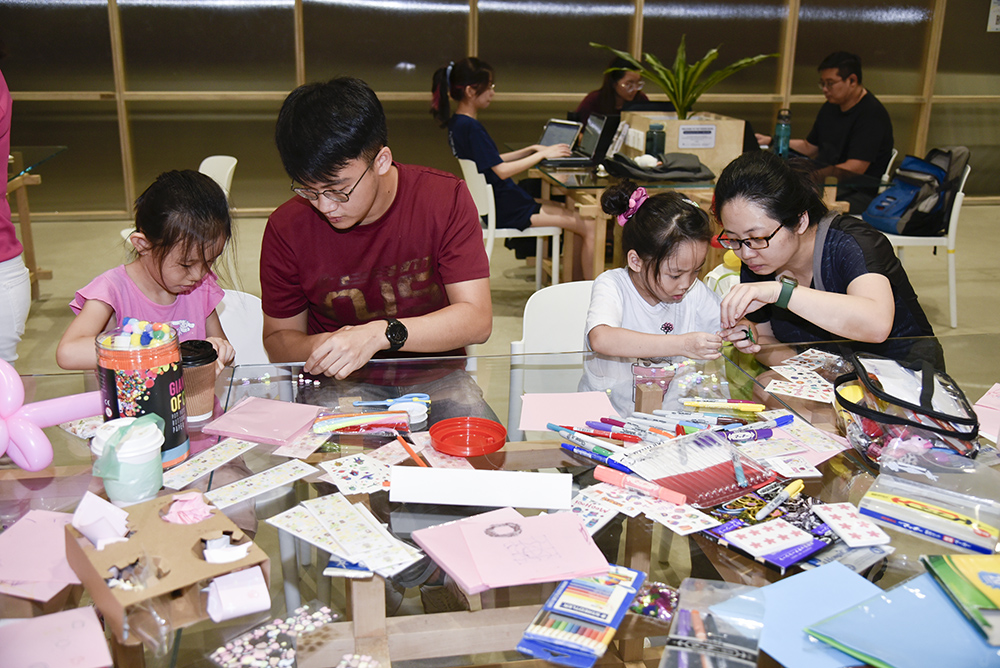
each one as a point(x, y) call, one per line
point(76, 252)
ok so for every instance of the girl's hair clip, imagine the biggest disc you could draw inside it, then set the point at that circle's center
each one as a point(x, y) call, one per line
point(691, 202)
point(635, 200)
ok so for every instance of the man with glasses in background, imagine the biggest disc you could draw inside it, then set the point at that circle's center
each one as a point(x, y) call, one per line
point(371, 257)
point(852, 134)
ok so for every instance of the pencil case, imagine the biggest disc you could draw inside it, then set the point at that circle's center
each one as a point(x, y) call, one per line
point(578, 621)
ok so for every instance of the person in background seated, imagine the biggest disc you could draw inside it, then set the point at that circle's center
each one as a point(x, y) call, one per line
point(773, 219)
point(619, 88)
point(470, 83)
point(852, 134)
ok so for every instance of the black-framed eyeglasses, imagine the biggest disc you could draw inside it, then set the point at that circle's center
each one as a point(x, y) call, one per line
point(332, 195)
point(753, 243)
point(824, 85)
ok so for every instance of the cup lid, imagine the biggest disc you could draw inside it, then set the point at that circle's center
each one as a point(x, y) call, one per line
point(197, 353)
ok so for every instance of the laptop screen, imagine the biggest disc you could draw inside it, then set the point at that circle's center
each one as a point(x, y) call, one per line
point(592, 134)
point(559, 132)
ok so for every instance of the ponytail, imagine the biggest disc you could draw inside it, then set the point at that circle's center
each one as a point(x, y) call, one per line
point(450, 82)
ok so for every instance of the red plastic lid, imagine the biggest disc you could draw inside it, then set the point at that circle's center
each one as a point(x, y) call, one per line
point(467, 436)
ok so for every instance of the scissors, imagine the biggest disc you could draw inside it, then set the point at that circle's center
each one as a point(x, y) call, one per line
point(419, 397)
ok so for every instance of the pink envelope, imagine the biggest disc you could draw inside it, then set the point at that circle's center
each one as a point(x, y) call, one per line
point(264, 421)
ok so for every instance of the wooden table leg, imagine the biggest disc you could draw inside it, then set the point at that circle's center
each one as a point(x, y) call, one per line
point(638, 543)
point(368, 614)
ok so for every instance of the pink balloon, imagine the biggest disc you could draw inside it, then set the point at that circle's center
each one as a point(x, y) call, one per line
point(51, 412)
point(21, 434)
point(29, 448)
point(11, 390)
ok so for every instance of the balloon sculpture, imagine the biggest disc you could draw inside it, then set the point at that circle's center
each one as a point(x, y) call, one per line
point(21, 434)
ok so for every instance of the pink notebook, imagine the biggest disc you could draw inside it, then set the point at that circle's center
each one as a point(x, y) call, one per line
point(264, 421)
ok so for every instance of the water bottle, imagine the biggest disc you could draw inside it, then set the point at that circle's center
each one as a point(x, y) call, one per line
point(656, 139)
point(782, 132)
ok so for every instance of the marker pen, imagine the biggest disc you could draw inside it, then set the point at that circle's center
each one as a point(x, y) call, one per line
point(619, 479)
point(593, 456)
point(729, 405)
point(587, 442)
point(791, 491)
point(766, 424)
point(616, 435)
point(747, 435)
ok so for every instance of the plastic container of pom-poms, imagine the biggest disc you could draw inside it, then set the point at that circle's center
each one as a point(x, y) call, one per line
point(467, 436)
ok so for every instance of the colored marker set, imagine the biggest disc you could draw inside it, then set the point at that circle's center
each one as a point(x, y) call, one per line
point(577, 623)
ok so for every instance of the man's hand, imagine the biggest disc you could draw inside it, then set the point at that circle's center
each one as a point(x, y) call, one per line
point(348, 349)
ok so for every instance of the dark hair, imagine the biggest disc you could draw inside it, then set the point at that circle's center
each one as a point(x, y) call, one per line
point(662, 223)
point(606, 97)
point(186, 209)
point(783, 189)
point(845, 63)
point(450, 82)
point(323, 126)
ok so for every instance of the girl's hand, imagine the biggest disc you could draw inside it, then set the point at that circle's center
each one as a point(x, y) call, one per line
point(555, 151)
point(225, 350)
point(743, 337)
point(747, 298)
point(701, 345)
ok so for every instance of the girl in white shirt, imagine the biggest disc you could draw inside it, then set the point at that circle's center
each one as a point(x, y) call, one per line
point(654, 309)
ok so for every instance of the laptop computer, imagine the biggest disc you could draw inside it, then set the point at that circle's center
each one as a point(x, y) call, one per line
point(586, 152)
point(560, 132)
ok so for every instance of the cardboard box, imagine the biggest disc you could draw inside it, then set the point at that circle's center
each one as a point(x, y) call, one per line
point(716, 140)
point(172, 556)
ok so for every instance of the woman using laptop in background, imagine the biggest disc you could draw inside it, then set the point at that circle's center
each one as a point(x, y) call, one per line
point(619, 88)
point(470, 83)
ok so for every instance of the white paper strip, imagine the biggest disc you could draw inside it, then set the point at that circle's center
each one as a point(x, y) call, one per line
point(497, 489)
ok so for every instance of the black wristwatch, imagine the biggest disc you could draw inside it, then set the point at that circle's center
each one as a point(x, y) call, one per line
point(787, 285)
point(396, 333)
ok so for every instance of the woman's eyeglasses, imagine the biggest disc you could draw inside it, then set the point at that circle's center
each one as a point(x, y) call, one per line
point(753, 243)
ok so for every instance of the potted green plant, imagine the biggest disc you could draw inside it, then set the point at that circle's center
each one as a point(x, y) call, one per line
point(683, 83)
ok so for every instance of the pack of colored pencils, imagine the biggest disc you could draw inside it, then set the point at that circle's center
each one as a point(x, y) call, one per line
point(577, 623)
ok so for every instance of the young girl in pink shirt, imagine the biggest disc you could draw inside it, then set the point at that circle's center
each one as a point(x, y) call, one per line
point(182, 224)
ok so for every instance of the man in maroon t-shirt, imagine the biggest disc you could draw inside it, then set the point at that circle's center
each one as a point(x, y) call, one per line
point(371, 257)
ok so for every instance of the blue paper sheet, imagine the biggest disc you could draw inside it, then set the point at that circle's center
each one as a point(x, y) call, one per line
point(794, 603)
point(913, 625)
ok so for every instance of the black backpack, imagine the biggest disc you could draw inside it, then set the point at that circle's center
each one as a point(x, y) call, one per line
point(918, 202)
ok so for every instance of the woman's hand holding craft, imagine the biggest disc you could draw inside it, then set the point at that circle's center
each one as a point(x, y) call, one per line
point(743, 337)
point(747, 298)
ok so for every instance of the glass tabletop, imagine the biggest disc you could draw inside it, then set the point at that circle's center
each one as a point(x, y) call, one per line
point(32, 157)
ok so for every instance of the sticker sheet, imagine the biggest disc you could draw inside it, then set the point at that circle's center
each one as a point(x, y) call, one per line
point(207, 461)
point(357, 474)
point(817, 440)
point(793, 467)
point(813, 359)
point(247, 488)
point(798, 374)
point(811, 392)
point(439, 460)
point(302, 446)
point(300, 523)
point(85, 427)
point(847, 522)
point(593, 514)
point(392, 453)
point(768, 537)
point(626, 501)
point(770, 447)
point(683, 520)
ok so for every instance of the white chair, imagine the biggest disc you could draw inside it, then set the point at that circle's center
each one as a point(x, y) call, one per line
point(554, 319)
point(219, 167)
point(243, 322)
point(482, 194)
point(900, 241)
